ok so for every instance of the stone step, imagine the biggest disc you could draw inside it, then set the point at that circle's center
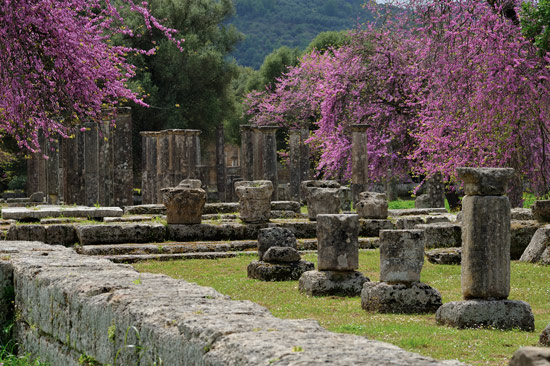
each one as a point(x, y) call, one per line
point(198, 247)
point(169, 257)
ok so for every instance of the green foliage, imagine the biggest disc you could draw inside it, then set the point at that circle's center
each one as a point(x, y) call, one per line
point(270, 24)
point(9, 358)
point(535, 23)
point(329, 39)
point(416, 333)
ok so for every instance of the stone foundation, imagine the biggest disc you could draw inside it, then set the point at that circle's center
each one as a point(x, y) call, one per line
point(70, 305)
point(500, 314)
point(328, 283)
point(416, 298)
point(264, 271)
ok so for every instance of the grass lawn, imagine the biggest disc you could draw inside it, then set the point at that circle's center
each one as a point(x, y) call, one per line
point(417, 333)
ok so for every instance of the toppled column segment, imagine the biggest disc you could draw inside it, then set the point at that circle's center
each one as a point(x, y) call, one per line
point(71, 305)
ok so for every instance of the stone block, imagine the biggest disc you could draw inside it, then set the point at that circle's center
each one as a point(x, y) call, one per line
point(544, 338)
point(485, 181)
point(441, 235)
point(422, 201)
point(281, 255)
point(332, 283)
point(444, 255)
point(337, 242)
point(27, 233)
point(190, 183)
point(417, 211)
point(531, 356)
point(401, 255)
point(521, 233)
point(285, 206)
point(522, 214)
point(183, 204)
point(121, 233)
point(500, 314)
point(278, 271)
point(541, 210)
point(61, 235)
point(346, 198)
point(415, 298)
point(372, 227)
point(151, 209)
point(372, 205)
point(485, 247)
point(254, 200)
point(37, 197)
point(539, 244)
point(274, 237)
point(322, 201)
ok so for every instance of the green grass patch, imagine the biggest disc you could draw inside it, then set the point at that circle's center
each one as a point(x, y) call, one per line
point(401, 204)
point(9, 358)
point(417, 333)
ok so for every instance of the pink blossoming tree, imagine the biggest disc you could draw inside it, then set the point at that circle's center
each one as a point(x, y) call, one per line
point(443, 84)
point(58, 64)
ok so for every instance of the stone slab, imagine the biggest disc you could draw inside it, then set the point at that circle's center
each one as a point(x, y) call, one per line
point(441, 235)
point(332, 283)
point(120, 233)
point(444, 256)
point(417, 211)
point(538, 246)
point(531, 356)
point(541, 210)
point(415, 298)
point(521, 214)
point(278, 271)
point(40, 212)
point(521, 234)
point(500, 314)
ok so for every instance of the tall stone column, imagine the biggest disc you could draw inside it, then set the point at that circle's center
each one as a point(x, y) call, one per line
point(148, 161)
point(91, 163)
point(299, 162)
point(123, 167)
point(359, 161)
point(265, 156)
point(52, 171)
point(73, 168)
point(485, 275)
point(247, 152)
point(220, 163)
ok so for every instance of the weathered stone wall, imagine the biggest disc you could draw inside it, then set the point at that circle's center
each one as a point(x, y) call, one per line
point(72, 307)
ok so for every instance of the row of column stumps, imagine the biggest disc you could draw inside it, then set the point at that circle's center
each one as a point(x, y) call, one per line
point(168, 157)
point(94, 166)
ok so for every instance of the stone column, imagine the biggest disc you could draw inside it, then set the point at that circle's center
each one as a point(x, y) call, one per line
point(485, 275)
point(52, 171)
point(247, 152)
point(220, 164)
point(485, 233)
point(91, 163)
point(299, 162)
point(123, 177)
point(265, 156)
point(149, 161)
point(73, 168)
point(337, 259)
point(359, 161)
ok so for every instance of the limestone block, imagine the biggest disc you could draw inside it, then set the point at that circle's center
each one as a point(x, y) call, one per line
point(254, 200)
point(329, 283)
point(444, 255)
point(27, 233)
point(183, 205)
point(150, 209)
point(275, 237)
point(120, 233)
point(545, 336)
point(190, 183)
point(285, 206)
point(61, 235)
point(401, 255)
point(415, 298)
point(346, 198)
point(538, 245)
point(541, 210)
point(531, 356)
point(337, 242)
point(372, 205)
point(417, 211)
point(522, 214)
point(372, 227)
point(521, 234)
point(37, 197)
point(278, 271)
point(485, 247)
point(441, 235)
point(500, 314)
point(422, 201)
point(322, 197)
point(485, 181)
point(281, 255)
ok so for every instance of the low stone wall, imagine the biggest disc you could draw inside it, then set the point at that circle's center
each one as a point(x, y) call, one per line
point(74, 310)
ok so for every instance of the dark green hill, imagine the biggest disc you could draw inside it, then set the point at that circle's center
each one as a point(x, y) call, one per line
point(270, 24)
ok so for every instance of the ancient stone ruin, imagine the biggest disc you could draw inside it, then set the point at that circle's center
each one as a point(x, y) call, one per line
point(279, 259)
point(400, 289)
point(337, 258)
point(485, 275)
point(254, 200)
point(372, 205)
point(184, 203)
point(322, 197)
